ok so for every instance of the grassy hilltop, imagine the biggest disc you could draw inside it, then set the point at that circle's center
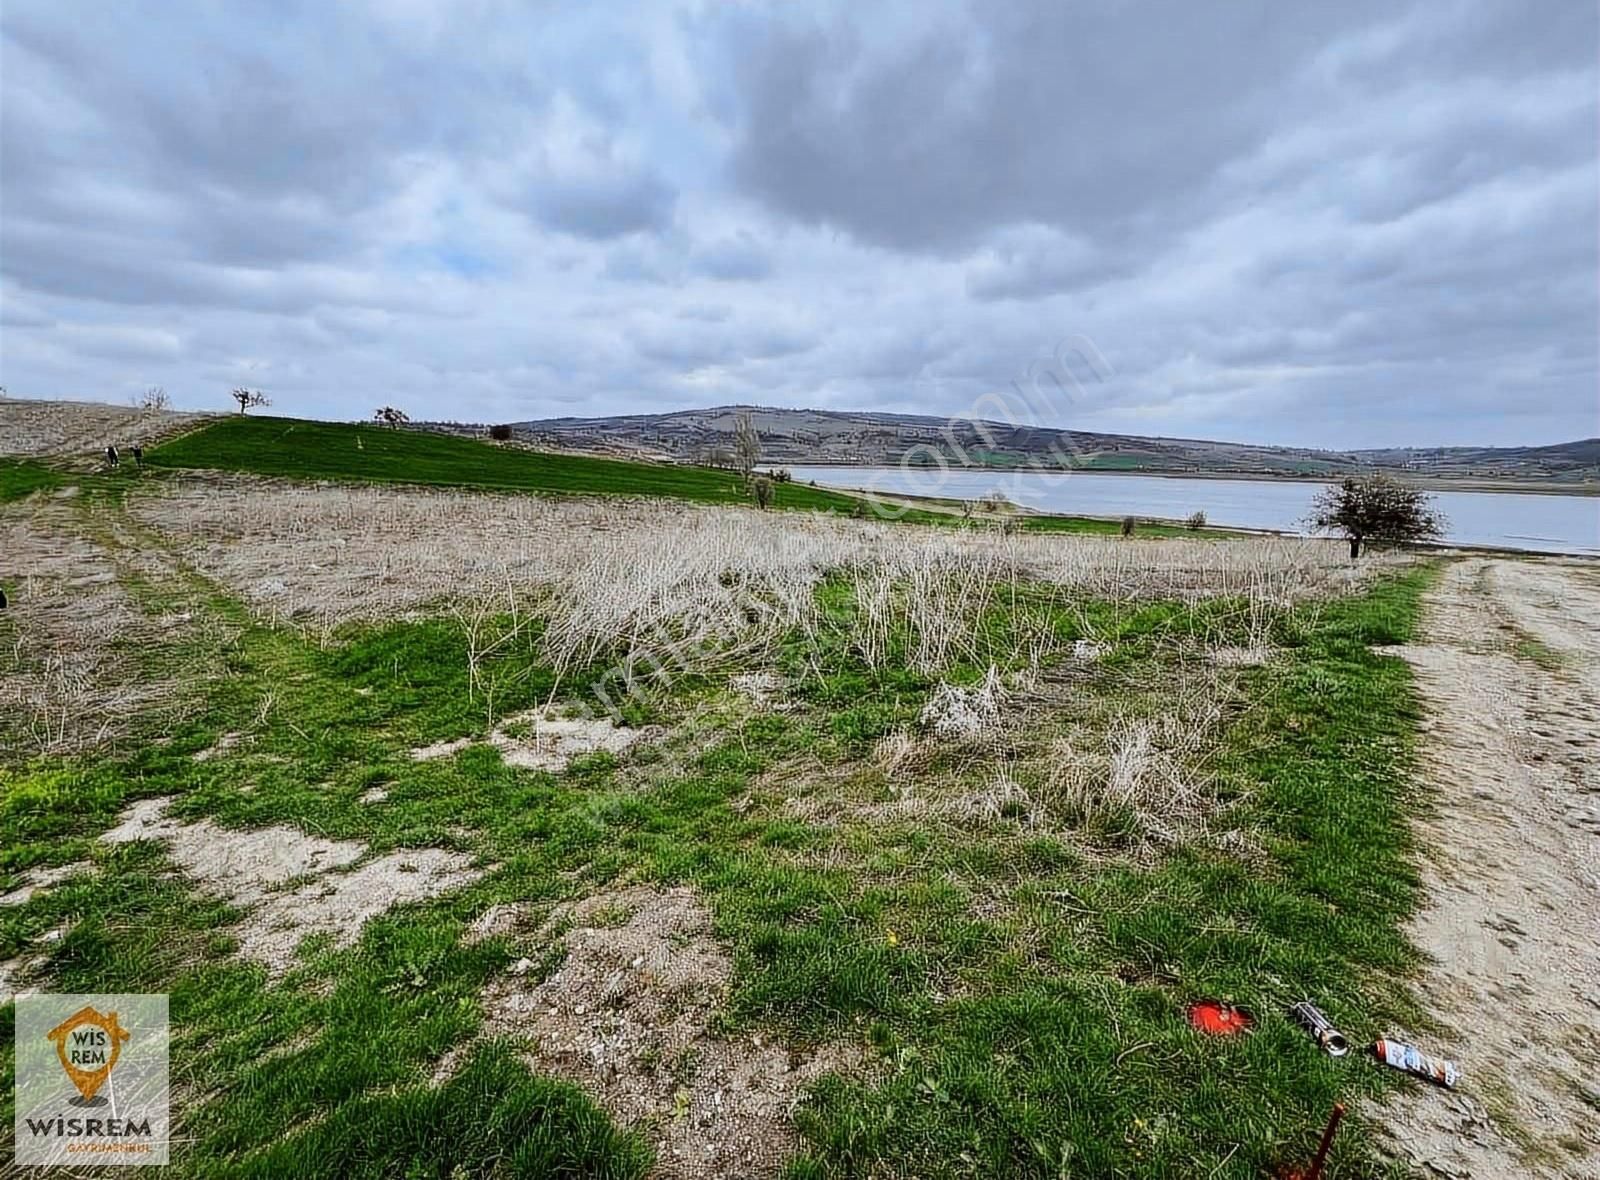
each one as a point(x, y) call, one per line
point(299, 449)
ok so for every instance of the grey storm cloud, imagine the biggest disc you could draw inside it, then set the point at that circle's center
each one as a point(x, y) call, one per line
point(604, 207)
point(1345, 224)
point(1079, 116)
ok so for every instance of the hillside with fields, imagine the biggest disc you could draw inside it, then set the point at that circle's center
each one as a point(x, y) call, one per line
point(853, 438)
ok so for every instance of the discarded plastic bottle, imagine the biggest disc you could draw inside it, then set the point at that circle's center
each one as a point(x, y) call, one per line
point(1310, 1018)
point(1415, 1061)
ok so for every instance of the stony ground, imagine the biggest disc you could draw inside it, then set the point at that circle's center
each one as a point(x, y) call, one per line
point(629, 1016)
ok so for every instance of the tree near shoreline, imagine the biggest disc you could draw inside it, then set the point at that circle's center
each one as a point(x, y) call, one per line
point(1376, 508)
point(746, 443)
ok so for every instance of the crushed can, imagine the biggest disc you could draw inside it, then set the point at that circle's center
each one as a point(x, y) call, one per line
point(1309, 1017)
point(1414, 1061)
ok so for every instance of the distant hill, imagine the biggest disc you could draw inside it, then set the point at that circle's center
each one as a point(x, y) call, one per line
point(833, 437)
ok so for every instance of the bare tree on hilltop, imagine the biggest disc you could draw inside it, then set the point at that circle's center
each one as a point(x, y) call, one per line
point(249, 397)
point(391, 417)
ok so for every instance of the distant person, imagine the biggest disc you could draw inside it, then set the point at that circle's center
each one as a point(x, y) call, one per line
point(2, 598)
point(112, 458)
point(138, 454)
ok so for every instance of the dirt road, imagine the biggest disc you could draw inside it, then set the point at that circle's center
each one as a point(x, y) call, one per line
point(1509, 672)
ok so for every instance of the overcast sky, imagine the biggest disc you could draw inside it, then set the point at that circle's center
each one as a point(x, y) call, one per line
point(1329, 224)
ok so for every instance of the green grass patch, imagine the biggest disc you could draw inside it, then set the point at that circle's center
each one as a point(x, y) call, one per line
point(1106, 528)
point(491, 1119)
point(21, 477)
point(1527, 646)
point(340, 450)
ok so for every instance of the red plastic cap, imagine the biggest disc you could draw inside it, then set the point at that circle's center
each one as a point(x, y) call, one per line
point(1219, 1019)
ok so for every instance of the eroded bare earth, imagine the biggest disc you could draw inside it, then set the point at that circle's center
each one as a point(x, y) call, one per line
point(289, 884)
point(1513, 911)
point(627, 1015)
point(541, 739)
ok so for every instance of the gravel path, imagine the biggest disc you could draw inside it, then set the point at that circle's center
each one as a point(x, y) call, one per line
point(1512, 917)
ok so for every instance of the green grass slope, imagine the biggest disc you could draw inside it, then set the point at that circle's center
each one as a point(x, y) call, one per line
point(341, 450)
point(20, 477)
point(298, 449)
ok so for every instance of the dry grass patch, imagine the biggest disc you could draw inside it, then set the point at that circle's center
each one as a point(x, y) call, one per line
point(75, 672)
point(40, 429)
point(763, 690)
point(1121, 761)
point(1240, 657)
point(698, 583)
point(1137, 759)
point(965, 712)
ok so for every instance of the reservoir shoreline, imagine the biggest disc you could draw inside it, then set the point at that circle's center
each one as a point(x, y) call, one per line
point(1511, 521)
point(1428, 483)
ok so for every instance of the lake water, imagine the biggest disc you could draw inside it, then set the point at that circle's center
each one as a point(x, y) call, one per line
point(1547, 524)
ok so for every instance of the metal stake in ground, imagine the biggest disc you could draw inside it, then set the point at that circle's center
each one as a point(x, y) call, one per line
point(1313, 1171)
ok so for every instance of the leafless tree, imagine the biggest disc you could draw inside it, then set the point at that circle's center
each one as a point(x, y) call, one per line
point(746, 443)
point(390, 417)
point(249, 397)
point(154, 398)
